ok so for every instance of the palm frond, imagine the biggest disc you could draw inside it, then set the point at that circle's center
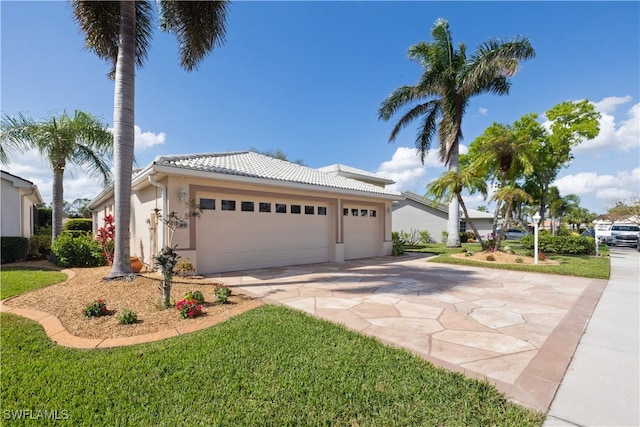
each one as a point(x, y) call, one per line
point(407, 118)
point(99, 21)
point(397, 99)
point(199, 26)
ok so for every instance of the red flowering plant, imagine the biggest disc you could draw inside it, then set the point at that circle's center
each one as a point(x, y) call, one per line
point(96, 309)
point(542, 256)
point(106, 237)
point(188, 307)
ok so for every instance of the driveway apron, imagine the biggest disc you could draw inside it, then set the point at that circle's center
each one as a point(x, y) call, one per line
point(519, 330)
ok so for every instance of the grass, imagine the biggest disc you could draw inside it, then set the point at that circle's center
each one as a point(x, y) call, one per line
point(269, 366)
point(569, 265)
point(16, 280)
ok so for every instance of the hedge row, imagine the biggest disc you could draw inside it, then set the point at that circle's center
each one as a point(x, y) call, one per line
point(568, 245)
point(13, 248)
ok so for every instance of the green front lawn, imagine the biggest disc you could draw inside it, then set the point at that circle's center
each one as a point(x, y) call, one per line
point(17, 280)
point(270, 366)
point(570, 265)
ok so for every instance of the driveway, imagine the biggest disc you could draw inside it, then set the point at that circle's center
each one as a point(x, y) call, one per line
point(519, 330)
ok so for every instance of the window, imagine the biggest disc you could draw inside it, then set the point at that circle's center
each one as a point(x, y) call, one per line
point(354, 212)
point(246, 206)
point(372, 213)
point(345, 212)
point(322, 210)
point(364, 212)
point(208, 204)
point(281, 208)
point(309, 210)
point(228, 205)
point(463, 226)
point(265, 207)
point(295, 209)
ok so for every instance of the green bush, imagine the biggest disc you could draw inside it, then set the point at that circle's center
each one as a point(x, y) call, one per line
point(398, 244)
point(127, 317)
point(39, 246)
point(79, 224)
point(566, 245)
point(77, 251)
point(14, 248)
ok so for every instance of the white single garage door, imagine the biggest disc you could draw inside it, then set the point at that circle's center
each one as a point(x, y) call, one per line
point(362, 231)
point(237, 232)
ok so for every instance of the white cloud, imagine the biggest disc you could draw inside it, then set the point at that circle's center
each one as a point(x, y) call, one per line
point(144, 140)
point(483, 111)
point(616, 134)
point(604, 187)
point(406, 169)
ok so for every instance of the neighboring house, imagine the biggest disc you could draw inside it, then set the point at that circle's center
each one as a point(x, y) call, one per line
point(18, 216)
point(258, 212)
point(415, 212)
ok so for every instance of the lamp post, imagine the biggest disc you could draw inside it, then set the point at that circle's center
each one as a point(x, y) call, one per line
point(536, 220)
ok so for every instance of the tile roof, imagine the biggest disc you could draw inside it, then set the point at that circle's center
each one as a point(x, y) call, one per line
point(254, 165)
point(348, 170)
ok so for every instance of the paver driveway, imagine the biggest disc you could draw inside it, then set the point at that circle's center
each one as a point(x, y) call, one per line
point(517, 329)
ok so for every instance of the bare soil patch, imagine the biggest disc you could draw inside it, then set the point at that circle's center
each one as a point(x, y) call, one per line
point(141, 295)
point(501, 257)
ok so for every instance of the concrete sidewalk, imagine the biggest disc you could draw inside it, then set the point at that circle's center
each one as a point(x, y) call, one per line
point(601, 385)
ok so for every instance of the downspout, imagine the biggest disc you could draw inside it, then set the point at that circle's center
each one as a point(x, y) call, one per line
point(164, 208)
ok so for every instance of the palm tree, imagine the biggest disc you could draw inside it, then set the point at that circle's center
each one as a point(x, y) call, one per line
point(451, 183)
point(504, 152)
point(508, 195)
point(448, 82)
point(83, 140)
point(120, 33)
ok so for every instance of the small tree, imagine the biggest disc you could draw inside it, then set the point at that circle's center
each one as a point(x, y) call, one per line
point(106, 237)
point(167, 258)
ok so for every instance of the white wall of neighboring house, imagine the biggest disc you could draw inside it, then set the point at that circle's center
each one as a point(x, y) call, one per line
point(412, 214)
point(18, 199)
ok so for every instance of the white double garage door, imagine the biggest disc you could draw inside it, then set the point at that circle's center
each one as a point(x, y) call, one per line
point(239, 232)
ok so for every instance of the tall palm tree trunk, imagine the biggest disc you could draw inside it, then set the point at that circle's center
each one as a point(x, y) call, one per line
point(57, 202)
point(469, 220)
point(123, 121)
point(453, 223)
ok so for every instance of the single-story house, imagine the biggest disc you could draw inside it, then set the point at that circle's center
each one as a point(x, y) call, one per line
point(18, 216)
point(258, 212)
point(417, 213)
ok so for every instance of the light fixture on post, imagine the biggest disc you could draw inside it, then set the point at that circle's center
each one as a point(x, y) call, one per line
point(536, 220)
point(183, 196)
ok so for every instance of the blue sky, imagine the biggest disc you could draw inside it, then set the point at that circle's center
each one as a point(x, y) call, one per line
point(307, 78)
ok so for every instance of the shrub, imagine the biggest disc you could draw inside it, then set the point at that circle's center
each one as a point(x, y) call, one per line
point(77, 251)
point(14, 248)
point(45, 218)
point(195, 295)
point(398, 244)
point(519, 260)
point(106, 238)
point(489, 242)
point(569, 245)
point(425, 237)
point(444, 237)
point(39, 246)
point(96, 309)
point(222, 293)
point(79, 224)
point(188, 308)
point(491, 257)
point(185, 268)
point(127, 317)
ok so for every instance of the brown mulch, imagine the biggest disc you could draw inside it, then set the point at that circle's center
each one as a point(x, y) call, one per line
point(503, 258)
point(142, 295)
